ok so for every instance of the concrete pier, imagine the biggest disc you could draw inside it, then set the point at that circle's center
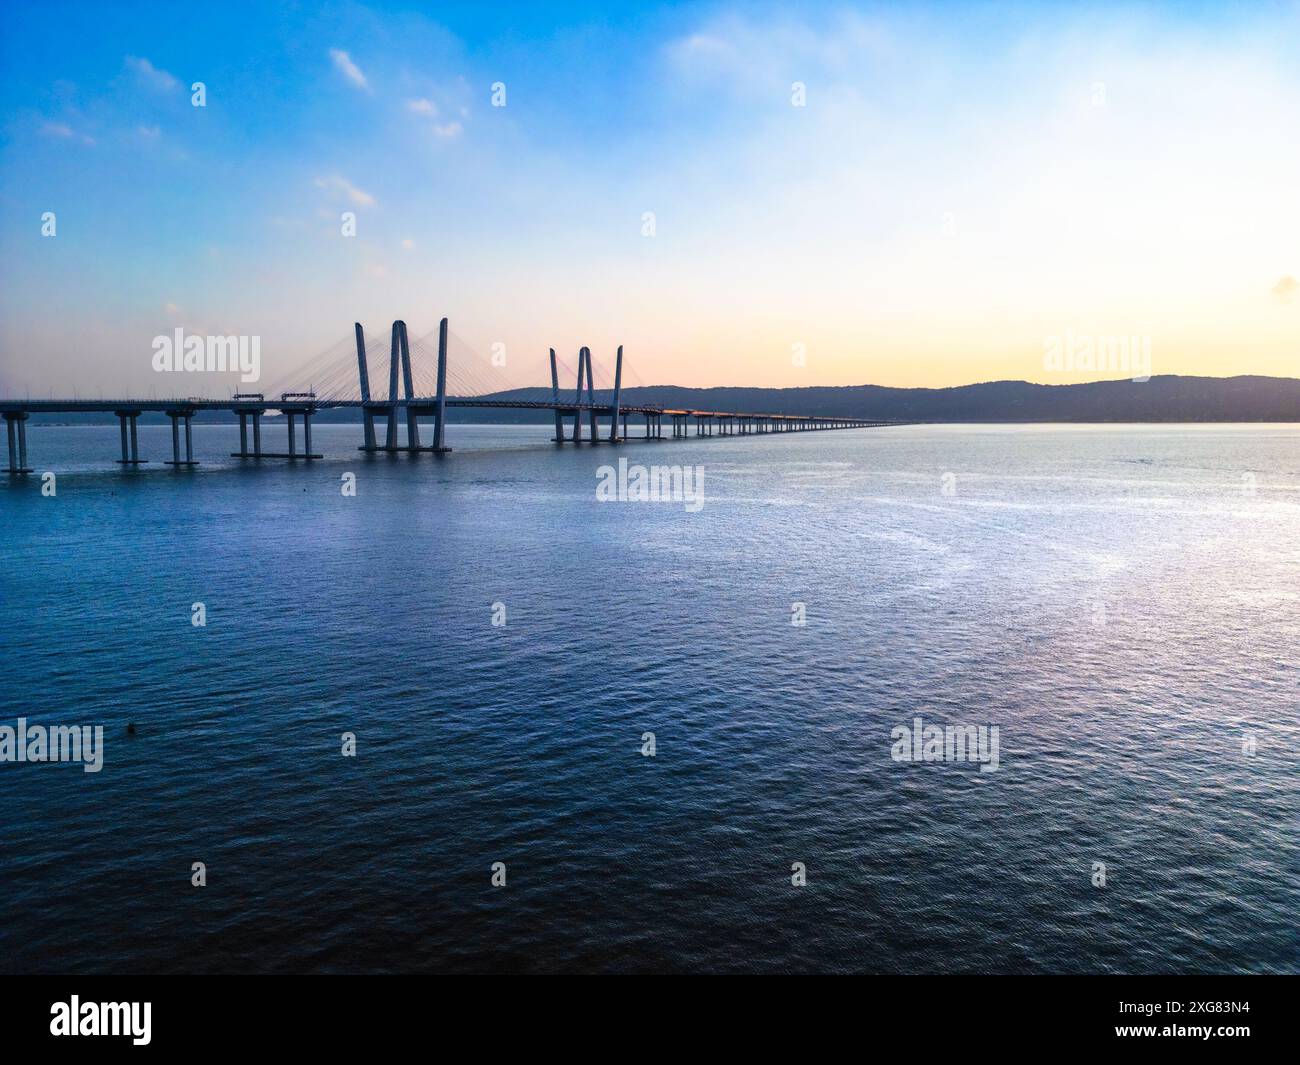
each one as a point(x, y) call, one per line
point(291, 414)
point(130, 438)
point(177, 416)
point(247, 413)
point(16, 431)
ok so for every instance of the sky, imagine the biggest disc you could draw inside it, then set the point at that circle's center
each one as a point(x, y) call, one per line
point(794, 194)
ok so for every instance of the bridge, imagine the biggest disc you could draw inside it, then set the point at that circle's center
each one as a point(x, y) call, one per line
point(340, 378)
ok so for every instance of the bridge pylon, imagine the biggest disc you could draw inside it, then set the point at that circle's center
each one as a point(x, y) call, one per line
point(404, 400)
point(618, 388)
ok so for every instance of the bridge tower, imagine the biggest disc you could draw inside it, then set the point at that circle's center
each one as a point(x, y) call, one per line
point(555, 400)
point(412, 419)
point(367, 415)
point(591, 397)
point(614, 438)
point(440, 400)
point(577, 398)
point(401, 396)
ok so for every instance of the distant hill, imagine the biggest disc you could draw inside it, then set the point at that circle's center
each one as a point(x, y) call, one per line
point(1165, 398)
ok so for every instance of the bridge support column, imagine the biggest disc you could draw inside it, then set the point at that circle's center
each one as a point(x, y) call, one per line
point(176, 439)
point(16, 430)
point(243, 452)
point(293, 443)
point(130, 440)
point(176, 416)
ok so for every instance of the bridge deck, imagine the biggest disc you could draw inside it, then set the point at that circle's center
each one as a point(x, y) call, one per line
point(194, 404)
point(406, 403)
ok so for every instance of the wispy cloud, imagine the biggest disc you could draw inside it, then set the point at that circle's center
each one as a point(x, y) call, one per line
point(1287, 289)
point(341, 185)
point(344, 65)
point(62, 131)
point(150, 75)
point(426, 107)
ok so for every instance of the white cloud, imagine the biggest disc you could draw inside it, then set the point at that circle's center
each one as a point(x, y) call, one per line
point(62, 131)
point(422, 107)
point(151, 75)
point(149, 133)
point(451, 129)
point(343, 63)
point(338, 184)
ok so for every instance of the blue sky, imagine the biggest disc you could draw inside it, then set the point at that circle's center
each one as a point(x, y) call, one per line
point(952, 194)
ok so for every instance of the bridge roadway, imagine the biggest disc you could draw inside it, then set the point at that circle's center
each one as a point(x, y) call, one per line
point(402, 402)
point(181, 411)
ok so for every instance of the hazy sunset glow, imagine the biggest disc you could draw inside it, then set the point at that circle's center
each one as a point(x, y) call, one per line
point(958, 187)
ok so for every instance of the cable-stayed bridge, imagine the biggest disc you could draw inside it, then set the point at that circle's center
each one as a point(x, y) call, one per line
point(396, 381)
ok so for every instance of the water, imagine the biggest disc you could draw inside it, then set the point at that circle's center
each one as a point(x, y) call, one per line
point(1116, 600)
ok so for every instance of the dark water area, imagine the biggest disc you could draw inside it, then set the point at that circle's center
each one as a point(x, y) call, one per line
point(1123, 603)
